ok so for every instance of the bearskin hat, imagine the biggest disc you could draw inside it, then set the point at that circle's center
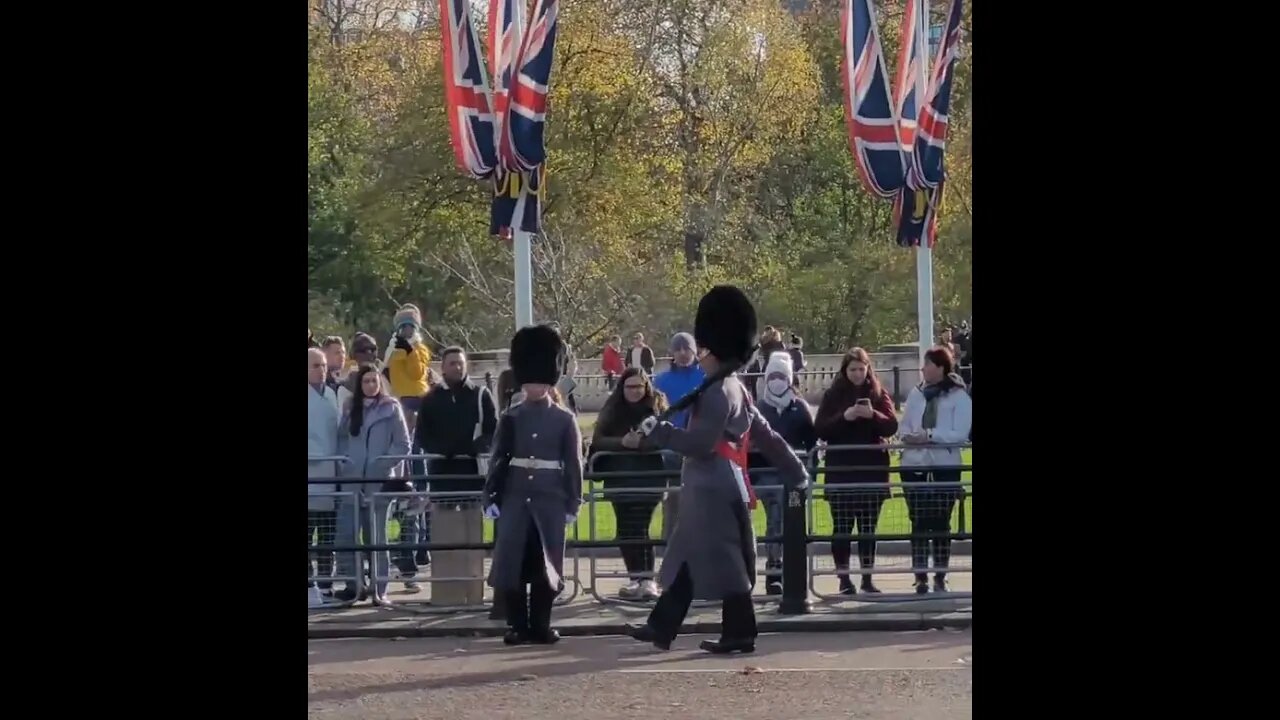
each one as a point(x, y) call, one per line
point(537, 355)
point(726, 325)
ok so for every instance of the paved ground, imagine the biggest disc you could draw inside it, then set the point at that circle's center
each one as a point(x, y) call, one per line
point(915, 675)
point(896, 609)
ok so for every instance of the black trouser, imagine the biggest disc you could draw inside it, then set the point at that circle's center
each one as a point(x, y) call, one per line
point(930, 512)
point(737, 614)
point(846, 511)
point(529, 609)
point(633, 514)
point(322, 524)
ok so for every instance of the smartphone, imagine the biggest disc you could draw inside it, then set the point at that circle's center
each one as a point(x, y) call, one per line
point(863, 401)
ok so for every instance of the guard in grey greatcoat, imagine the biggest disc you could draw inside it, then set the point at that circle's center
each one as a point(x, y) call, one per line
point(533, 489)
point(712, 551)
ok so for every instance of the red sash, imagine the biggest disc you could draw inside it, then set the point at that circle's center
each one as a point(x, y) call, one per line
point(737, 454)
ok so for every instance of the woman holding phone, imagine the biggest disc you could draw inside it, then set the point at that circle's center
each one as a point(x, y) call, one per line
point(633, 399)
point(856, 410)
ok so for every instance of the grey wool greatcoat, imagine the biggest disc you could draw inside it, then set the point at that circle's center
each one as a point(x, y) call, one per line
point(713, 533)
point(533, 431)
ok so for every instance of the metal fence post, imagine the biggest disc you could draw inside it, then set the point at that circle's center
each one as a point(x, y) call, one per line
point(897, 388)
point(795, 581)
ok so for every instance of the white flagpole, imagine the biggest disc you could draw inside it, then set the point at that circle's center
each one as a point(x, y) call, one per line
point(522, 248)
point(924, 254)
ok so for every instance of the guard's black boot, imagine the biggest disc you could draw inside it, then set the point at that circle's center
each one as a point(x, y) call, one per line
point(728, 645)
point(646, 633)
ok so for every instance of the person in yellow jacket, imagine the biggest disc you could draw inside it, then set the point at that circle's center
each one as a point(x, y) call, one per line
point(408, 359)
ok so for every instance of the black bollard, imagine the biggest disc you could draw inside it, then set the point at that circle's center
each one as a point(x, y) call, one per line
point(795, 563)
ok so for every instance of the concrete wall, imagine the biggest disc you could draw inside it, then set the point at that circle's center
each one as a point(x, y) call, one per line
point(820, 370)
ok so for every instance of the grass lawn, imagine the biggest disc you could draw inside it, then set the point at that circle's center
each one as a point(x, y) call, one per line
point(893, 516)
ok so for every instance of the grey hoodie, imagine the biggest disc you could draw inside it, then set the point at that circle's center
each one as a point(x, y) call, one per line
point(383, 432)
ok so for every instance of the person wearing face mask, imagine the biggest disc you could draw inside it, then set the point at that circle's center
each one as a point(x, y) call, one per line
point(408, 361)
point(533, 488)
point(856, 410)
point(791, 417)
point(938, 412)
point(372, 428)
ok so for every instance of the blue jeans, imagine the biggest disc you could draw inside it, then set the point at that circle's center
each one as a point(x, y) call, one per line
point(346, 532)
point(772, 497)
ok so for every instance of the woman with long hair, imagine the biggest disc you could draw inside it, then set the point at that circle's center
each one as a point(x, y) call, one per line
point(372, 427)
point(856, 410)
point(633, 399)
point(939, 412)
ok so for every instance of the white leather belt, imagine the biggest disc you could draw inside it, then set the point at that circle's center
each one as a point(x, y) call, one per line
point(533, 464)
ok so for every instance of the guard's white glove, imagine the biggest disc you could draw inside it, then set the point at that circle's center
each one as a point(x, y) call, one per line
point(492, 512)
point(648, 425)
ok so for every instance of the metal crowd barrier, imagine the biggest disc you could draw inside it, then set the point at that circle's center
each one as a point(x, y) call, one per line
point(896, 490)
point(799, 551)
point(365, 550)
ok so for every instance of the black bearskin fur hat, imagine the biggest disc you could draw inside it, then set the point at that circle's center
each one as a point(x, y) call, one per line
point(537, 355)
point(726, 325)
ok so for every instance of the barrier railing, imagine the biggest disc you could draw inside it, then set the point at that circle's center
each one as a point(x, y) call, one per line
point(799, 541)
point(877, 493)
point(380, 507)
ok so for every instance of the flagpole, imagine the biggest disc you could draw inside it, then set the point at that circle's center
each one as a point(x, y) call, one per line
point(924, 294)
point(522, 249)
point(924, 253)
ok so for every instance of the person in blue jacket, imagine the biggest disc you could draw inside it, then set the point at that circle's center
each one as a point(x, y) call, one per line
point(682, 379)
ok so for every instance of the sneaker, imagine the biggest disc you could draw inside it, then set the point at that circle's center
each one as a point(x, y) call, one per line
point(868, 586)
point(939, 585)
point(314, 598)
point(412, 587)
point(630, 591)
point(649, 590)
point(846, 586)
point(382, 600)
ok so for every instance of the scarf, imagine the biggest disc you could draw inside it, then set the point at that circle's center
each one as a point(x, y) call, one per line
point(779, 368)
point(932, 394)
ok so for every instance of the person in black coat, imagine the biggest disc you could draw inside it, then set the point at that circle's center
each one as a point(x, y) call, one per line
point(856, 410)
point(789, 415)
point(457, 420)
point(633, 399)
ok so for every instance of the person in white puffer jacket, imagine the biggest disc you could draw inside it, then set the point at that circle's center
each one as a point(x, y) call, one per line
point(939, 412)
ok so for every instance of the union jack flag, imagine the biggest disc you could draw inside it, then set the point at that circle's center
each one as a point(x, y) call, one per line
point(526, 116)
point(498, 135)
point(931, 140)
point(914, 215)
point(869, 114)
point(506, 28)
point(910, 82)
point(467, 101)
